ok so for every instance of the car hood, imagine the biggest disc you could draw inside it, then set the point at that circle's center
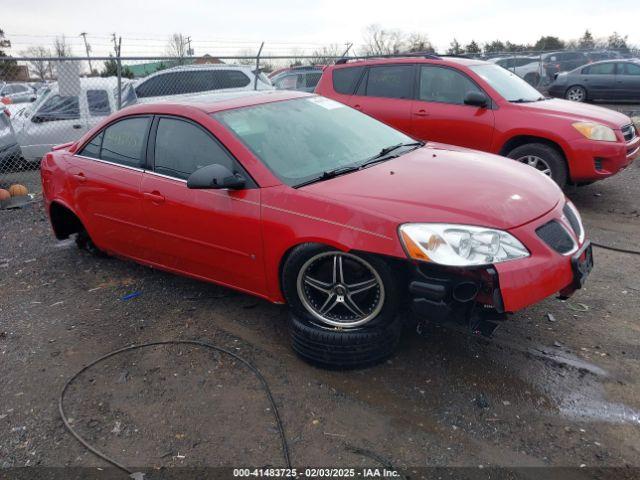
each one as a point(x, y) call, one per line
point(577, 112)
point(443, 184)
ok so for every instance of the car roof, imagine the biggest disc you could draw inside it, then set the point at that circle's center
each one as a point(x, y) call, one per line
point(441, 60)
point(215, 102)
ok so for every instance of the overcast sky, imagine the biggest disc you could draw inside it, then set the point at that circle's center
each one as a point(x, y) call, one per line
point(228, 26)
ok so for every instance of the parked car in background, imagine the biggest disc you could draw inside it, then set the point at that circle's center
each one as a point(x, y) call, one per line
point(556, 62)
point(17, 93)
point(528, 68)
point(606, 80)
point(191, 79)
point(596, 56)
point(481, 105)
point(297, 198)
point(56, 118)
point(304, 78)
point(10, 154)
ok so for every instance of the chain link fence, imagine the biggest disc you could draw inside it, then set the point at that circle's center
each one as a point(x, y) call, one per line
point(50, 101)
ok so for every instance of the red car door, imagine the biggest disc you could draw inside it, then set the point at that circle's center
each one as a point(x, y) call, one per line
point(210, 234)
point(386, 93)
point(439, 113)
point(105, 177)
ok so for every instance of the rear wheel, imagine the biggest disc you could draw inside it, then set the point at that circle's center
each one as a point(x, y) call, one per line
point(84, 242)
point(343, 306)
point(576, 93)
point(544, 158)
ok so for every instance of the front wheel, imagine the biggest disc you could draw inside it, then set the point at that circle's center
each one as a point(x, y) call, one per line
point(576, 94)
point(544, 158)
point(344, 306)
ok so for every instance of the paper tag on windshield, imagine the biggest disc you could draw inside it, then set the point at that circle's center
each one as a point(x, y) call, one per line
point(326, 103)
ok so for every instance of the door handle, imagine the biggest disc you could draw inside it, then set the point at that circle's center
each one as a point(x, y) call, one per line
point(77, 126)
point(155, 197)
point(80, 177)
point(357, 107)
point(421, 113)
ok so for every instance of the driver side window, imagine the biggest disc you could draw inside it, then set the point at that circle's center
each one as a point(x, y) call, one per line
point(444, 85)
point(182, 147)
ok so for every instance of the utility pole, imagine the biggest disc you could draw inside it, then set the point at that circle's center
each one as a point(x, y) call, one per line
point(189, 50)
point(88, 49)
point(117, 46)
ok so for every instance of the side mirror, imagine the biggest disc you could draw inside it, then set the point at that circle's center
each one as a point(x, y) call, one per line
point(477, 99)
point(215, 176)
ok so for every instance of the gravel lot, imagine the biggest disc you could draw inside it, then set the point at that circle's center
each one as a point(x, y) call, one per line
point(541, 393)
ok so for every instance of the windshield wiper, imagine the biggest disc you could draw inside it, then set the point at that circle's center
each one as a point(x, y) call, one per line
point(384, 153)
point(527, 100)
point(327, 174)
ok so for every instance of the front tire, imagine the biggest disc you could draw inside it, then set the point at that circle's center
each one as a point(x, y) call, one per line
point(576, 93)
point(344, 306)
point(544, 158)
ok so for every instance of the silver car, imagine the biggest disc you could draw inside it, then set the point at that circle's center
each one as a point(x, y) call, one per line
point(17, 93)
point(56, 118)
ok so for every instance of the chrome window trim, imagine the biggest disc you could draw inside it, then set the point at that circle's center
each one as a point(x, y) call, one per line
point(151, 172)
point(137, 169)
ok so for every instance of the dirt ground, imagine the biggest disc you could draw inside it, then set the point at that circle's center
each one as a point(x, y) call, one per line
point(559, 391)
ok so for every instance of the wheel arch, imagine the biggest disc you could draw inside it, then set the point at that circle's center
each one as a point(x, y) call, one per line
point(64, 220)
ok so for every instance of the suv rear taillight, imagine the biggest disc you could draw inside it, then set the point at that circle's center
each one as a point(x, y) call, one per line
point(7, 112)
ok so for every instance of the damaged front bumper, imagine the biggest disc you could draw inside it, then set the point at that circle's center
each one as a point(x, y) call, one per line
point(479, 297)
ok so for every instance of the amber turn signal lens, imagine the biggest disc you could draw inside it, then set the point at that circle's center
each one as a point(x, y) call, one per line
point(413, 249)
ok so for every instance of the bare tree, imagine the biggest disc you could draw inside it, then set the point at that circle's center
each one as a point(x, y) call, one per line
point(61, 48)
point(418, 42)
point(247, 52)
point(378, 41)
point(177, 46)
point(326, 54)
point(40, 68)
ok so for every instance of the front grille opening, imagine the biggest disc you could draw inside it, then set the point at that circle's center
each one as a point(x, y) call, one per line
point(573, 220)
point(554, 235)
point(597, 163)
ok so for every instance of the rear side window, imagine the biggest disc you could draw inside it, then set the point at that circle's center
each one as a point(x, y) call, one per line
point(98, 101)
point(445, 85)
point(394, 81)
point(191, 81)
point(181, 148)
point(344, 79)
point(124, 141)
point(92, 149)
point(602, 69)
point(630, 68)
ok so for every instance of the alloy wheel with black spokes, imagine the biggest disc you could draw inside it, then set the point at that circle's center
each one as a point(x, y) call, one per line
point(344, 307)
point(340, 289)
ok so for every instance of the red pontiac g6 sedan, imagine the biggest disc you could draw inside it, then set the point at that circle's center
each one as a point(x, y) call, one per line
point(481, 105)
point(300, 199)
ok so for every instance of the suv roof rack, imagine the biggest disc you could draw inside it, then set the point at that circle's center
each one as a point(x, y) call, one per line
point(430, 56)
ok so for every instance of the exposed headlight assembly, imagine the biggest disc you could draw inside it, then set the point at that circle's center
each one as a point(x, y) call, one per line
point(459, 245)
point(595, 131)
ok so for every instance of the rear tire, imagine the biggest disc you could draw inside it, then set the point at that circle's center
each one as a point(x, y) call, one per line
point(544, 158)
point(576, 93)
point(84, 242)
point(344, 306)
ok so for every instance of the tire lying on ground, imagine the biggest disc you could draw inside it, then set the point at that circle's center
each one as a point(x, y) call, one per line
point(344, 306)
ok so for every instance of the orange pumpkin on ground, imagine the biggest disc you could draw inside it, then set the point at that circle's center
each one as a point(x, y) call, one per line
point(4, 194)
point(17, 190)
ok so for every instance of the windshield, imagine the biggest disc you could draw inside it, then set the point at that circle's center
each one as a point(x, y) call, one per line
point(300, 139)
point(509, 85)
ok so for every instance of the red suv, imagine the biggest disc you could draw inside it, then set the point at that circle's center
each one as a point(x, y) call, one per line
point(480, 105)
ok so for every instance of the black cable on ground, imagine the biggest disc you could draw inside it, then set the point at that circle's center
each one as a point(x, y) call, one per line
point(250, 366)
point(616, 249)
